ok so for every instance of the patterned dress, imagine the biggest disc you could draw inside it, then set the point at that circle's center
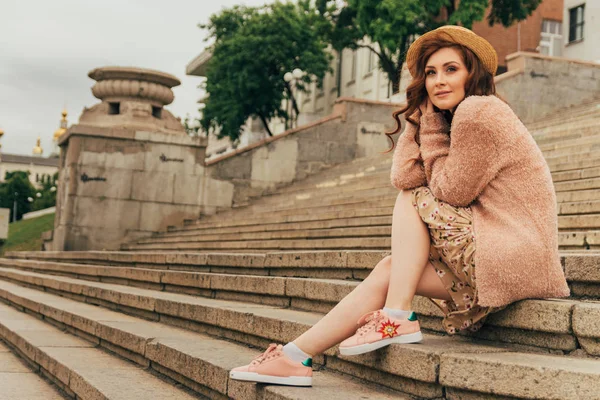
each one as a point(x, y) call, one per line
point(452, 255)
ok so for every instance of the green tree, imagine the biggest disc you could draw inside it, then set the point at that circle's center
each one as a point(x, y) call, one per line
point(47, 193)
point(16, 186)
point(392, 24)
point(254, 47)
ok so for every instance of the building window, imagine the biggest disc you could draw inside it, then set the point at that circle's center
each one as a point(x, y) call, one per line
point(307, 96)
point(371, 61)
point(336, 66)
point(353, 74)
point(551, 38)
point(576, 23)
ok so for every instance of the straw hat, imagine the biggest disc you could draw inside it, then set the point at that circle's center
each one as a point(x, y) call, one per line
point(457, 34)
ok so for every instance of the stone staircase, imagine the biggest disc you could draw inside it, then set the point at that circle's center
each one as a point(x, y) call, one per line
point(350, 206)
point(170, 315)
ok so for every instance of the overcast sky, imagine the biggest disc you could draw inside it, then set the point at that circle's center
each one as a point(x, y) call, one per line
point(48, 47)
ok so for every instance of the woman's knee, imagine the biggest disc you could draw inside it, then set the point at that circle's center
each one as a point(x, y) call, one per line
point(381, 272)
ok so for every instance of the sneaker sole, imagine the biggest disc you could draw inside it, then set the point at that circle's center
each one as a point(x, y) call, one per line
point(365, 348)
point(279, 380)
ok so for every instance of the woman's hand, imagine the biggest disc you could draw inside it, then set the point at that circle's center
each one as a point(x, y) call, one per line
point(426, 107)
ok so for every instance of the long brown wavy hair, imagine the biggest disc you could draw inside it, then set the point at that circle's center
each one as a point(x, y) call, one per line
point(479, 82)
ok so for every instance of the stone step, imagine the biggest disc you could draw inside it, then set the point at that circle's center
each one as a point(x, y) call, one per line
point(581, 112)
point(323, 216)
point(378, 180)
point(309, 208)
point(383, 194)
point(578, 184)
point(276, 244)
point(572, 170)
point(575, 174)
point(553, 161)
point(565, 239)
point(592, 145)
point(344, 192)
point(590, 135)
point(351, 203)
point(194, 360)
point(581, 268)
point(346, 176)
point(547, 322)
point(556, 118)
point(413, 368)
point(18, 381)
point(574, 165)
point(313, 234)
point(77, 366)
point(577, 195)
point(368, 231)
point(280, 226)
point(561, 131)
point(348, 213)
point(292, 205)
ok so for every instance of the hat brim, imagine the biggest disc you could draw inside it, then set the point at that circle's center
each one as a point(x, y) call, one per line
point(456, 34)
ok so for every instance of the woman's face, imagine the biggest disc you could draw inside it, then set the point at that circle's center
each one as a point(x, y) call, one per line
point(445, 72)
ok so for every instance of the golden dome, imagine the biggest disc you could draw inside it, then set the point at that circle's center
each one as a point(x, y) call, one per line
point(37, 150)
point(58, 133)
point(63, 126)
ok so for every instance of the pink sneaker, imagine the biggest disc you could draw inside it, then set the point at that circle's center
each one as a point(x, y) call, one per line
point(378, 330)
point(273, 366)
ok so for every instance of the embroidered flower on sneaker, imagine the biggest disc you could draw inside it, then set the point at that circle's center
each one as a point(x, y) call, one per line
point(424, 204)
point(388, 329)
point(460, 285)
point(440, 272)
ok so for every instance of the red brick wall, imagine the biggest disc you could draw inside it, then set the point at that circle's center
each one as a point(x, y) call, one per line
point(505, 40)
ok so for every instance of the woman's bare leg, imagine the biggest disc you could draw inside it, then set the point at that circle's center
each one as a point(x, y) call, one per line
point(371, 294)
point(410, 252)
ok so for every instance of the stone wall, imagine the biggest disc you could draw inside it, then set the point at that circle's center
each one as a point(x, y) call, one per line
point(121, 184)
point(536, 85)
point(355, 129)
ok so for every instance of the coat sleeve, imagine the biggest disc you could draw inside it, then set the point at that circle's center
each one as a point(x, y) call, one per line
point(459, 164)
point(407, 166)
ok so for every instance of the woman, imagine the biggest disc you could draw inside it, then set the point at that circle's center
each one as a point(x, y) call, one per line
point(474, 227)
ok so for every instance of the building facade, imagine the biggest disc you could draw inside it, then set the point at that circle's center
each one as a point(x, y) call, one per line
point(40, 168)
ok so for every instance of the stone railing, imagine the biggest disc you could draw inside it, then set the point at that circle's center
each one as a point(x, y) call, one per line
point(354, 129)
point(536, 85)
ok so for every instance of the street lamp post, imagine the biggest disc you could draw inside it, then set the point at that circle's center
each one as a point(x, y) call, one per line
point(1, 134)
point(292, 77)
point(15, 207)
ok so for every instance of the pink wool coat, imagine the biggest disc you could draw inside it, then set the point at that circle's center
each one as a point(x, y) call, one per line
point(489, 161)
